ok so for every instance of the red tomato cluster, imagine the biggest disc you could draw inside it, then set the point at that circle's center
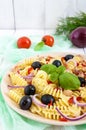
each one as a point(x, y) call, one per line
point(25, 42)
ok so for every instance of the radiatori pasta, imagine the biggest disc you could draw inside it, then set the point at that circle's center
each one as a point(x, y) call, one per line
point(37, 83)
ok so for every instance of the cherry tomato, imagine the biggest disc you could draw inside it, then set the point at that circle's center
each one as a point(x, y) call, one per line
point(48, 40)
point(24, 42)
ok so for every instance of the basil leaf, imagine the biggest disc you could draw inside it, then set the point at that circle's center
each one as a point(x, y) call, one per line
point(49, 68)
point(54, 77)
point(69, 81)
point(39, 46)
point(60, 69)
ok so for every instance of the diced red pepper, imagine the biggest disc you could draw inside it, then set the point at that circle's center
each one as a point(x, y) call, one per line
point(49, 58)
point(30, 69)
point(70, 101)
point(18, 71)
point(79, 98)
point(83, 64)
point(62, 119)
point(51, 103)
point(77, 64)
point(49, 82)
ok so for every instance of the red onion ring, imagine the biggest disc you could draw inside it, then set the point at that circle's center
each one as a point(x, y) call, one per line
point(30, 76)
point(78, 103)
point(10, 86)
point(37, 102)
point(70, 119)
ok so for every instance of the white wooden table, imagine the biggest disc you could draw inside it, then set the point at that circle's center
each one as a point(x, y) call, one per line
point(41, 32)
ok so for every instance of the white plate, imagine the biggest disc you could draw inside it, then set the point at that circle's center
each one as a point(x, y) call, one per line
point(28, 114)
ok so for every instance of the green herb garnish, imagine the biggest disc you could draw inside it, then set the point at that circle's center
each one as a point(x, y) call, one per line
point(60, 69)
point(67, 25)
point(53, 71)
point(69, 81)
point(54, 77)
point(39, 46)
point(49, 68)
point(65, 79)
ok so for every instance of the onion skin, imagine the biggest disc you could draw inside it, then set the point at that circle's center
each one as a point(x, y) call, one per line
point(78, 37)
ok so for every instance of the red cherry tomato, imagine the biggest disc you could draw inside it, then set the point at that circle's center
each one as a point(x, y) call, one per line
point(48, 40)
point(23, 42)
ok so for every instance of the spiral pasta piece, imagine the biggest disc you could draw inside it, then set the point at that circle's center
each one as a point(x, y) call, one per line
point(48, 112)
point(52, 90)
point(77, 58)
point(71, 64)
point(15, 96)
point(24, 72)
point(42, 74)
point(39, 83)
point(83, 93)
point(26, 62)
point(19, 91)
point(17, 80)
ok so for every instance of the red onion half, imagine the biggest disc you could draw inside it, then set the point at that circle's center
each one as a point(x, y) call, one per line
point(69, 118)
point(78, 37)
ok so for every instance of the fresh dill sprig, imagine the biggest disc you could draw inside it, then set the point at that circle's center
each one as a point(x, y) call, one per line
point(67, 25)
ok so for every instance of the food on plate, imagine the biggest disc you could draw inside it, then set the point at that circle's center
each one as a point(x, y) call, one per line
point(24, 42)
point(53, 87)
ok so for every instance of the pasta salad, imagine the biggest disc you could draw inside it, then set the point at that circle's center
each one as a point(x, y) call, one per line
point(53, 87)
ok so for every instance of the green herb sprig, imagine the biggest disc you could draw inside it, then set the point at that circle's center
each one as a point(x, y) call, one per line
point(67, 25)
point(65, 79)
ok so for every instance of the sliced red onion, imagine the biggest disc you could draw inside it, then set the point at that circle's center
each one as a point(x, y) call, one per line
point(78, 103)
point(37, 102)
point(30, 76)
point(10, 86)
point(69, 118)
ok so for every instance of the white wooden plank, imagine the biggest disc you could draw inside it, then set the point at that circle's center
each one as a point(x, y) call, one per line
point(6, 32)
point(81, 5)
point(29, 14)
point(6, 14)
point(28, 32)
point(56, 9)
point(49, 31)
